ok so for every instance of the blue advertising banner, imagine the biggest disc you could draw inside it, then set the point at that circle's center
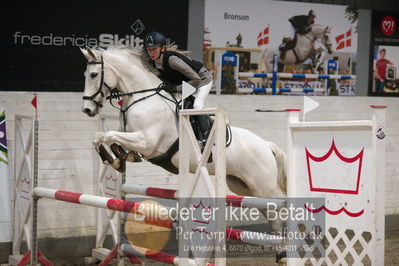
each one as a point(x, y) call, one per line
point(229, 63)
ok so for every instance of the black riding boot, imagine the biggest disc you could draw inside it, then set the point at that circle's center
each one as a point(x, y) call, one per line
point(204, 126)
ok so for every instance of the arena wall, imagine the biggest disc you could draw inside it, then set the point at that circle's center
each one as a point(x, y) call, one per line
point(66, 153)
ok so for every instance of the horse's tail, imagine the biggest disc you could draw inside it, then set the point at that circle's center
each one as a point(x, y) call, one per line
point(281, 159)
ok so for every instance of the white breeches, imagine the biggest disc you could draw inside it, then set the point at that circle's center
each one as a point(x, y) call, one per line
point(202, 92)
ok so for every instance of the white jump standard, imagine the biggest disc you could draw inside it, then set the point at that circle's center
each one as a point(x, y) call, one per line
point(344, 163)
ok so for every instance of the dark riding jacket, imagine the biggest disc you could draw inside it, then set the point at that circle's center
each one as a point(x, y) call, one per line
point(177, 68)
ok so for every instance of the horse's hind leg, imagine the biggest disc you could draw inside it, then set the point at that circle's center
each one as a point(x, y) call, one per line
point(278, 227)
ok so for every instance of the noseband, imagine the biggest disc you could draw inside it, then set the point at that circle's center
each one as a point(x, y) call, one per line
point(102, 82)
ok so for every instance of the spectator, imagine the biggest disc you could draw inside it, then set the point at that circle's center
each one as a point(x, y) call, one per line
point(380, 71)
point(239, 39)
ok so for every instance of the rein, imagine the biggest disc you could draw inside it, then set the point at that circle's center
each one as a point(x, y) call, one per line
point(115, 94)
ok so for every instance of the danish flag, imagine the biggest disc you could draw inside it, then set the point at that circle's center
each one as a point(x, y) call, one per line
point(34, 102)
point(344, 40)
point(263, 37)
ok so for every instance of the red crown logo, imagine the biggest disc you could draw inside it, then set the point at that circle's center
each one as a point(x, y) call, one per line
point(318, 183)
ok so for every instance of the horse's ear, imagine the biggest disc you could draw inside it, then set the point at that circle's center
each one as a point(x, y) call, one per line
point(85, 53)
point(92, 53)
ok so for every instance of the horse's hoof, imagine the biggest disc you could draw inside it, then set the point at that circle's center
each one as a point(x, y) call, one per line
point(281, 258)
point(116, 164)
point(119, 165)
point(282, 262)
point(133, 157)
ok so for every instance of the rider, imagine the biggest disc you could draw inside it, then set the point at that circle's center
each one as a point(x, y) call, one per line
point(298, 24)
point(174, 68)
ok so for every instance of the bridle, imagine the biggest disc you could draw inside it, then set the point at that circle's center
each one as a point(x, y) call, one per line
point(326, 35)
point(115, 94)
point(102, 83)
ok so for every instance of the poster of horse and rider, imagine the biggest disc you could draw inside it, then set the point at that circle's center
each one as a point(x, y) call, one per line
point(305, 37)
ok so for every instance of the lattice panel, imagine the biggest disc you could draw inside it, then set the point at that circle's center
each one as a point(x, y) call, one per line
point(342, 247)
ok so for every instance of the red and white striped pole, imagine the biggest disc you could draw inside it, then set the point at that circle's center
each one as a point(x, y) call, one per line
point(137, 207)
point(233, 200)
point(99, 202)
point(85, 199)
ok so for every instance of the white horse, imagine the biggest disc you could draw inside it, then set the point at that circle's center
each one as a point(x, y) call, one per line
point(314, 45)
point(255, 167)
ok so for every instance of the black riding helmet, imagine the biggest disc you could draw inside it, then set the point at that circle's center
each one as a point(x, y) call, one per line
point(153, 39)
point(312, 13)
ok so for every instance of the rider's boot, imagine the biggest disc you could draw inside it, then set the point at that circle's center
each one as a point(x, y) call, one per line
point(204, 127)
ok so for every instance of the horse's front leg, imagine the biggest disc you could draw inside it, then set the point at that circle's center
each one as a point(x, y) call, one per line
point(126, 141)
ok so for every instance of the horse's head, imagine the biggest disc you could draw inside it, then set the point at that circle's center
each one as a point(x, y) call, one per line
point(322, 33)
point(99, 79)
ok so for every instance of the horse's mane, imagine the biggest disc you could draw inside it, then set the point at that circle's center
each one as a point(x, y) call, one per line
point(138, 55)
point(132, 54)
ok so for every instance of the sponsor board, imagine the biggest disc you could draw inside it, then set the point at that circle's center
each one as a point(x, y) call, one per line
point(258, 27)
point(383, 76)
point(41, 44)
point(248, 85)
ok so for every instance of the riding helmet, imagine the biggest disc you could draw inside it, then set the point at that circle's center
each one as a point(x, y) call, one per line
point(153, 39)
point(312, 13)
